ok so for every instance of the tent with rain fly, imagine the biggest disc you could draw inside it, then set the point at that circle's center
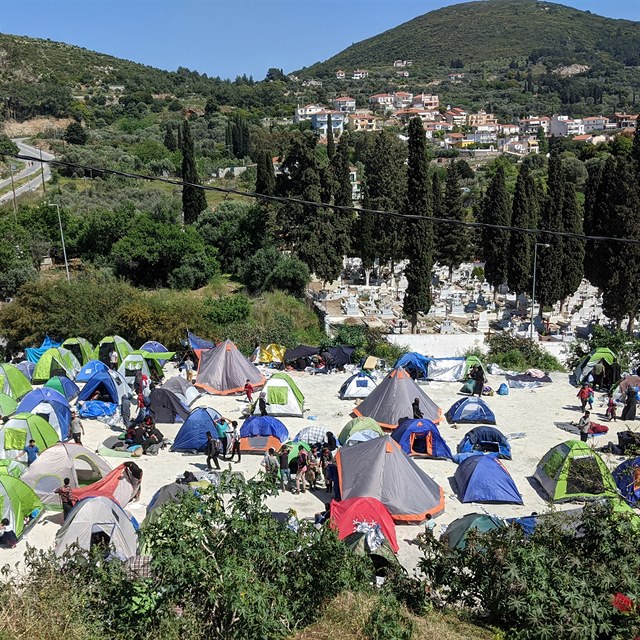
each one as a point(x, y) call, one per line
point(197, 343)
point(381, 469)
point(573, 471)
point(50, 405)
point(18, 503)
point(13, 468)
point(34, 353)
point(90, 369)
point(269, 354)
point(485, 440)
point(338, 356)
point(152, 346)
point(169, 493)
point(347, 514)
point(313, 434)
point(421, 438)
point(359, 424)
point(121, 484)
point(154, 361)
point(392, 400)
point(415, 363)
point(81, 348)
point(26, 368)
point(586, 364)
point(485, 479)
point(62, 384)
point(187, 393)
point(108, 344)
point(362, 436)
point(16, 432)
point(470, 411)
point(13, 382)
point(166, 407)
point(456, 534)
point(259, 433)
point(98, 520)
point(193, 433)
point(64, 460)
point(224, 370)
point(284, 398)
point(8, 405)
point(56, 361)
point(109, 388)
point(627, 479)
point(359, 385)
point(131, 364)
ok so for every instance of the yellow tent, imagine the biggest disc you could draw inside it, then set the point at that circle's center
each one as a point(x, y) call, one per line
point(271, 353)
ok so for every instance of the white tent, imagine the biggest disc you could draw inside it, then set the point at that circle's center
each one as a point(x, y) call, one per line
point(283, 397)
point(94, 519)
point(131, 364)
point(359, 385)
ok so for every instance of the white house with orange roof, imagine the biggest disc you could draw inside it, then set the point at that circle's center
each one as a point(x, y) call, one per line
point(305, 113)
point(381, 100)
point(402, 99)
point(340, 74)
point(426, 101)
point(361, 122)
point(562, 125)
point(345, 104)
point(531, 124)
point(456, 116)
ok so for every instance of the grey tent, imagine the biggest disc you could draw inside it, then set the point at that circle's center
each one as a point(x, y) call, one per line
point(169, 493)
point(380, 469)
point(392, 400)
point(224, 370)
point(166, 406)
point(185, 391)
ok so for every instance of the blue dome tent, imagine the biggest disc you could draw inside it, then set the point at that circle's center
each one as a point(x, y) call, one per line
point(485, 440)
point(105, 384)
point(50, 405)
point(415, 363)
point(421, 437)
point(259, 433)
point(627, 479)
point(68, 388)
point(152, 346)
point(484, 479)
point(470, 411)
point(193, 432)
point(90, 369)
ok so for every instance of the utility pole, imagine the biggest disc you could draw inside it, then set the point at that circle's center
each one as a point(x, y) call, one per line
point(64, 250)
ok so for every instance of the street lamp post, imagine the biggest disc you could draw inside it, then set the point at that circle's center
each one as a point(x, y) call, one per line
point(64, 249)
point(535, 265)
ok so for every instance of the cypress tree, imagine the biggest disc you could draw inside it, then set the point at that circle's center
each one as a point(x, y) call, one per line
point(228, 137)
point(437, 202)
point(453, 239)
point(496, 210)
point(266, 177)
point(419, 237)
point(170, 140)
point(364, 241)
point(635, 152)
point(341, 165)
point(543, 143)
point(573, 250)
point(179, 137)
point(597, 202)
point(193, 199)
point(523, 215)
point(331, 143)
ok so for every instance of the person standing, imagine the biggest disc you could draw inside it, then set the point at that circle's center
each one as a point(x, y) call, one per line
point(125, 409)
point(66, 497)
point(303, 467)
point(611, 408)
point(32, 452)
point(614, 374)
point(248, 389)
point(77, 428)
point(629, 411)
point(234, 438)
point(7, 534)
point(113, 359)
point(583, 394)
point(211, 449)
point(222, 426)
point(598, 375)
point(262, 404)
point(478, 376)
point(271, 465)
point(188, 367)
point(584, 424)
point(285, 472)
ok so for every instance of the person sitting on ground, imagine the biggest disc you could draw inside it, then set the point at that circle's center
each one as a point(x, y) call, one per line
point(7, 536)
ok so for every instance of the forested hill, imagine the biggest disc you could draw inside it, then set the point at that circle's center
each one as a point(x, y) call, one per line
point(476, 32)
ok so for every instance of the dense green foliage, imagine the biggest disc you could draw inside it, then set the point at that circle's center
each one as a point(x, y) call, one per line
point(627, 350)
point(519, 354)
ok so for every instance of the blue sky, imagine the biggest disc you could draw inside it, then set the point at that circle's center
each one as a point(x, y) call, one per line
point(226, 37)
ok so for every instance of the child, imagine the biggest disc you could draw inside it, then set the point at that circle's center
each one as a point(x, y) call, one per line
point(7, 536)
point(591, 398)
point(248, 389)
point(611, 408)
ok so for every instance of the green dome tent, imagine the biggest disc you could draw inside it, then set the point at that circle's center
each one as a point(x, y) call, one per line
point(17, 502)
point(56, 361)
point(8, 404)
point(586, 364)
point(13, 468)
point(16, 433)
point(573, 471)
point(456, 534)
point(81, 348)
point(359, 424)
point(13, 382)
point(104, 347)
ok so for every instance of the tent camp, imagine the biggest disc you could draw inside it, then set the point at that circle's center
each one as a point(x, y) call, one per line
point(456, 534)
point(166, 407)
point(90, 369)
point(380, 469)
point(421, 438)
point(65, 460)
point(573, 471)
point(62, 384)
point(627, 479)
point(164, 495)
point(154, 361)
point(485, 479)
point(110, 387)
point(300, 357)
point(107, 344)
point(359, 385)
point(391, 400)
point(8, 405)
point(485, 440)
point(193, 433)
point(18, 503)
point(469, 411)
point(56, 361)
point(270, 354)
point(347, 514)
point(50, 405)
point(26, 368)
point(439, 369)
point(131, 364)
point(259, 433)
point(12, 468)
point(415, 363)
point(13, 382)
point(120, 485)
point(186, 392)
point(284, 398)
point(152, 346)
point(359, 424)
point(586, 364)
point(224, 370)
point(98, 521)
point(81, 348)
point(362, 436)
point(17, 431)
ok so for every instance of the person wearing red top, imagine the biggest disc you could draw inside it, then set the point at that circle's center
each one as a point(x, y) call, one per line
point(248, 389)
point(583, 394)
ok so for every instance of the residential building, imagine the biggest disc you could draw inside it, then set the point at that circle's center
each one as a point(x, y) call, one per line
point(401, 64)
point(356, 189)
point(595, 123)
point(384, 100)
point(480, 118)
point(455, 77)
point(456, 116)
point(402, 74)
point(625, 121)
point(345, 104)
point(361, 122)
point(531, 124)
point(360, 74)
point(320, 122)
point(340, 74)
point(425, 115)
point(508, 129)
point(426, 101)
point(402, 99)
point(312, 83)
point(305, 113)
point(562, 126)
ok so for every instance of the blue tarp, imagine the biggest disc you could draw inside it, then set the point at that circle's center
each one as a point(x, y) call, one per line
point(485, 440)
point(193, 433)
point(90, 369)
point(103, 382)
point(627, 477)
point(55, 400)
point(199, 343)
point(470, 411)
point(421, 437)
point(35, 353)
point(484, 479)
point(414, 363)
point(96, 409)
point(264, 426)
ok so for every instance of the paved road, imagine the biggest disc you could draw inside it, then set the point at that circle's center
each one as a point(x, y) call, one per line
point(29, 169)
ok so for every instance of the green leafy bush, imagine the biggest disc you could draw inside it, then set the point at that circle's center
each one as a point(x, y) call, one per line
point(520, 354)
point(625, 347)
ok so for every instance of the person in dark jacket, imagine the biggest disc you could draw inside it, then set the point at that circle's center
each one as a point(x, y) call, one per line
point(417, 413)
point(629, 411)
point(477, 374)
point(212, 451)
point(262, 404)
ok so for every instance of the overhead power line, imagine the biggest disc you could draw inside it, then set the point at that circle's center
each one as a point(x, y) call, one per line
point(321, 205)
